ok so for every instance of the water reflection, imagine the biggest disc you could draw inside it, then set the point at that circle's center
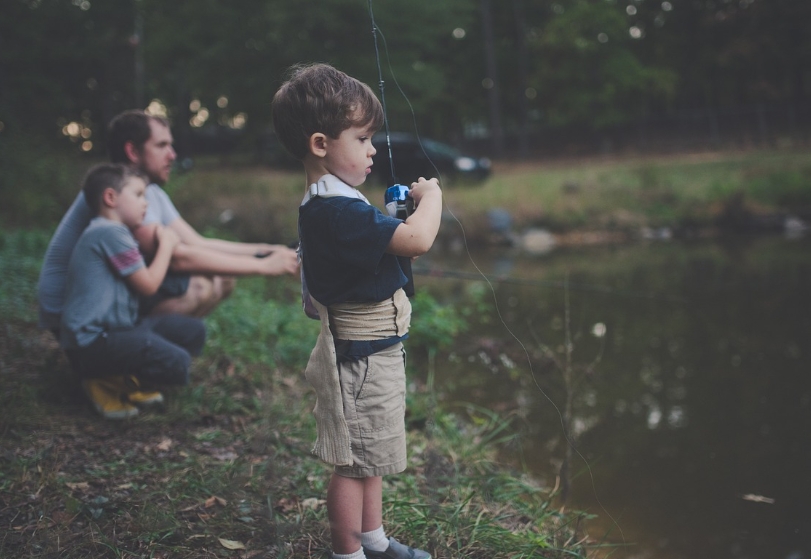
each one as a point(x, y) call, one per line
point(695, 421)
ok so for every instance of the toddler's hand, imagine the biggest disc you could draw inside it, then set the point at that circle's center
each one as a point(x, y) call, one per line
point(422, 188)
point(147, 238)
point(167, 237)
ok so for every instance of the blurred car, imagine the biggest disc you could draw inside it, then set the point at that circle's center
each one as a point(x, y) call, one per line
point(415, 158)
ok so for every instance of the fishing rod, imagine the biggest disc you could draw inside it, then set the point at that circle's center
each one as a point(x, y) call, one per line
point(394, 202)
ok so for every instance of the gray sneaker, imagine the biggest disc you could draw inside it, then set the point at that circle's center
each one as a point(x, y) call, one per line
point(396, 550)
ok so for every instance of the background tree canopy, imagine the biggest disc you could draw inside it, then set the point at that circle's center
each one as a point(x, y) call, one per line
point(470, 69)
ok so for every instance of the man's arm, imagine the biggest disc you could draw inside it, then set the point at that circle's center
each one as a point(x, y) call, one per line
point(191, 237)
point(203, 260)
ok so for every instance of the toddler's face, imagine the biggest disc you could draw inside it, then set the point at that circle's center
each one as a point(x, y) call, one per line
point(349, 157)
point(131, 205)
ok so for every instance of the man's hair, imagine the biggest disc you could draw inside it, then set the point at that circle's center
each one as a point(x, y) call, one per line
point(319, 98)
point(103, 176)
point(129, 126)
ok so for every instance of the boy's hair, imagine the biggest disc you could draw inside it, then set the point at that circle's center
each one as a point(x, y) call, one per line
point(129, 126)
point(103, 176)
point(319, 98)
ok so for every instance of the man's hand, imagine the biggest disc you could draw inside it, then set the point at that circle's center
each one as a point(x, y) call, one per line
point(265, 249)
point(282, 260)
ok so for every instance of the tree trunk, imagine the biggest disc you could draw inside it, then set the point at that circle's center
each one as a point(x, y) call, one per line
point(491, 70)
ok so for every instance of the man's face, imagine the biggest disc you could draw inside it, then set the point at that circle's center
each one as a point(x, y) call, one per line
point(157, 154)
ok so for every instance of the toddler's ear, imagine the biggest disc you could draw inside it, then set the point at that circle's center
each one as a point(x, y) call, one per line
point(318, 144)
point(108, 197)
point(146, 235)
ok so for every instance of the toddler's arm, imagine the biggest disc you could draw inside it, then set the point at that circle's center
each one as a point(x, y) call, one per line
point(416, 234)
point(146, 281)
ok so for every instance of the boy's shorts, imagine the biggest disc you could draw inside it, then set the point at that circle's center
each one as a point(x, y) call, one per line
point(373, 390)
point(175, 284)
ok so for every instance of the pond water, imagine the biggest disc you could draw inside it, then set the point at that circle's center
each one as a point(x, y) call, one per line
point(691, 414)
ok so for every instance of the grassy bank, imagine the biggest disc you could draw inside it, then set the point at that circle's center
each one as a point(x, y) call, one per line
point(225, 469)
point(689, 194)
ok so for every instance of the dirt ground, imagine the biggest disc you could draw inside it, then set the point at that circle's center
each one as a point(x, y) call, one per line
point(166, 485)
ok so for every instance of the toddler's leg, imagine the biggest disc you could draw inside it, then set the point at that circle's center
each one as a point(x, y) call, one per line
point(345, 500)
point(354, 506)
point(372, 503)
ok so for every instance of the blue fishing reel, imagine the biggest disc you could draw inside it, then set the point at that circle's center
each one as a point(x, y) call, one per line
point(399, 202)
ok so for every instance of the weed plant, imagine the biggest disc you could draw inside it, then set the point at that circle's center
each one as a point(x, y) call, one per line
point(225, 469)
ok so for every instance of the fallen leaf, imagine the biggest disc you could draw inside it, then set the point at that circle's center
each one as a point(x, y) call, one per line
point(165, 444)
point(231, 544)
point(312, 503)
point(287, 505)
point(211, 501)
point(124, 486)
point(758, 498)
point(80, 485)
point(225, 455)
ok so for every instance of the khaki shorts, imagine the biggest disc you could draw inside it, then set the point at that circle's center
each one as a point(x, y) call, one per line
point(373, 390)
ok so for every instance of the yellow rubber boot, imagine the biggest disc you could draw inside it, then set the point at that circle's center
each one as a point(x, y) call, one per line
point(106, 395)
point(141, 398)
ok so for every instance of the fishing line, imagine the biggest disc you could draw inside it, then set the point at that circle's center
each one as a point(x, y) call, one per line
point(570, 442)
point(585, 287)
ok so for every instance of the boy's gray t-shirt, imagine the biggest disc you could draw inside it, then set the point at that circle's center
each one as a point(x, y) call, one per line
point(96, 296)
point(51, 286)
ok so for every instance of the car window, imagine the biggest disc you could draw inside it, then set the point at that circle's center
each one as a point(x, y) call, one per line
point(441, 149)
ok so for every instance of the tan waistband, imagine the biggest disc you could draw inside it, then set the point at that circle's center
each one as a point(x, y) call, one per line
point(371, 321)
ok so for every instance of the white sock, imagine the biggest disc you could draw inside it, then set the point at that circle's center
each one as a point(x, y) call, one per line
point(357, 555)
point(375, 540)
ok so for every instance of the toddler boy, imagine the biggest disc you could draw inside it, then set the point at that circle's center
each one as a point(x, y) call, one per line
point(349, 251)
point(119, 357)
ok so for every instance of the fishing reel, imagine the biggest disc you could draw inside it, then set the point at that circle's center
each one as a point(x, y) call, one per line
point(399, 202)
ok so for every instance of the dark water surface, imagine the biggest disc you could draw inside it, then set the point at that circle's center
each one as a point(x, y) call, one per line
point(695, 421)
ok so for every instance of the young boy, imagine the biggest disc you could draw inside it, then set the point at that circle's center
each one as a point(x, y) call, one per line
point(349, 252)
point(117, 356)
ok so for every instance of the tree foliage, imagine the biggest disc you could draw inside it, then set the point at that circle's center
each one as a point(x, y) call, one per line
point(592, 64)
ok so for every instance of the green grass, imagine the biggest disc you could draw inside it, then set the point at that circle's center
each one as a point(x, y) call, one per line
point(623, 194)
point(228, 459)
point(632, 193)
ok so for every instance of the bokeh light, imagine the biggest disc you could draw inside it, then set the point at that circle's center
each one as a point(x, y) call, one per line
point(156, 108)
